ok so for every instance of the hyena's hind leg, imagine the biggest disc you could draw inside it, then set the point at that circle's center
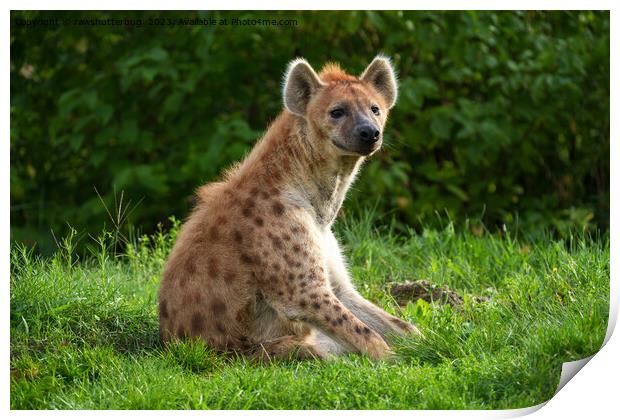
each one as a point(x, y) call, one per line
point(288, 347)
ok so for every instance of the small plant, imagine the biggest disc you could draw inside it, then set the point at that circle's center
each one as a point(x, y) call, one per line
point(193, 355)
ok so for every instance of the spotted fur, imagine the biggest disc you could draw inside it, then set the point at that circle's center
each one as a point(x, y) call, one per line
point(256, 267)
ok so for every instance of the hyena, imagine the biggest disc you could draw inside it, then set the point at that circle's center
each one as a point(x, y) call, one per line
point(256, 268)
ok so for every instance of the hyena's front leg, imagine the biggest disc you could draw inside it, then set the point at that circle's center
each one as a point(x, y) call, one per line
point(378, 319)
point(318, 306)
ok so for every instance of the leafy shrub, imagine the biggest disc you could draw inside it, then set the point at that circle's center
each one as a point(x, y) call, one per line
point(502, 115)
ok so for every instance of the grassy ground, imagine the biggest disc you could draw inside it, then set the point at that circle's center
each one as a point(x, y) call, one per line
point(84, 332)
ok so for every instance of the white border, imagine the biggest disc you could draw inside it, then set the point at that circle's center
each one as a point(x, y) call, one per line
point(592, 392)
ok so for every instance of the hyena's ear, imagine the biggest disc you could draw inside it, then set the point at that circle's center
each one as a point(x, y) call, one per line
point(381, 75)
point(300, 84)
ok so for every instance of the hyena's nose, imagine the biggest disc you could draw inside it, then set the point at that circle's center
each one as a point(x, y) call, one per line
point(367, 133)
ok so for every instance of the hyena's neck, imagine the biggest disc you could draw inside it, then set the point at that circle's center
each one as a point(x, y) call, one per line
point(322, 181)
point(298, 164)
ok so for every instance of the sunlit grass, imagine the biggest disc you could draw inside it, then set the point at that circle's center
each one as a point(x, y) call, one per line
point(84, 332)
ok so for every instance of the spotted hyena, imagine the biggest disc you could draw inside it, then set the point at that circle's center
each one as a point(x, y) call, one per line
point(256, 268)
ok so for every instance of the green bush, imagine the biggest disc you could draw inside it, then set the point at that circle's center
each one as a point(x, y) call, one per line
point(502, 115)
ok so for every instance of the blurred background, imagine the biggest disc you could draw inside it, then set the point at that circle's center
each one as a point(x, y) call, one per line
point(503, 117)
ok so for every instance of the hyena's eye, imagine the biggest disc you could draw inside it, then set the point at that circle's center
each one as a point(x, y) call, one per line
point(375, 109)
point(337, 113)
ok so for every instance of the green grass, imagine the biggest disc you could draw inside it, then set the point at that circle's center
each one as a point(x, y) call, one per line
point(84, 333)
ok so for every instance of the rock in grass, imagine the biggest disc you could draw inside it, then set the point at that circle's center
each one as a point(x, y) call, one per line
point(425, 290)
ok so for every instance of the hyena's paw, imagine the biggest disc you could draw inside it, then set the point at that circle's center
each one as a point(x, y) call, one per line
point(403, 327)
point(377, 348)
point(288, 348)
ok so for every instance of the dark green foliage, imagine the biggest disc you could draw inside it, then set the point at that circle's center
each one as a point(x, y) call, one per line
point(501, 114)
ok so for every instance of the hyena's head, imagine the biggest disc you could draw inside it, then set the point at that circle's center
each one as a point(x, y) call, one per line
point(346, 113)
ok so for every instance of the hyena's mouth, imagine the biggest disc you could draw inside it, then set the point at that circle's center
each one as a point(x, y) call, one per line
point(358, 148)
